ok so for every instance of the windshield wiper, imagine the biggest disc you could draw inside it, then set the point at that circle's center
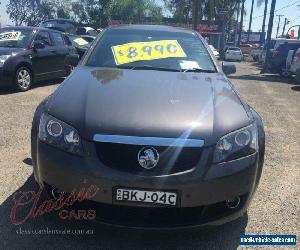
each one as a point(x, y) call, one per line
point(198, 70)
point(148, 67)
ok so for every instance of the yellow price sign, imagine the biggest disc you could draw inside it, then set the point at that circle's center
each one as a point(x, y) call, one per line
point(146, 51)
point(80, 41)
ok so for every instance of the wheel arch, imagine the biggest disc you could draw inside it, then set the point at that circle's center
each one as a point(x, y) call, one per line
point(27, 65)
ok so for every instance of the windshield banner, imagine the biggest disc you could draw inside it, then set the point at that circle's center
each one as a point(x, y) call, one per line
point(146, 51)
point(10, 36)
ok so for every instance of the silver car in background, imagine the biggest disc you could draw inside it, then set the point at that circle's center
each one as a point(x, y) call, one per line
point(233, 54)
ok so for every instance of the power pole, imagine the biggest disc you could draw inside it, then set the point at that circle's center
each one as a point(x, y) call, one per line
point(195, 14)
point(286, 21)
point(279, 18)
point(269, 36)
point(250, 22)
point(264, 20)
point(242, 23)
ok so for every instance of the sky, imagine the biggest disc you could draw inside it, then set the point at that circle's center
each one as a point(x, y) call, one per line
point(288, 8)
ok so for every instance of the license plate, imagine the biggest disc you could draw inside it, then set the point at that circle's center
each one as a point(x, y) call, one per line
point(146, 196)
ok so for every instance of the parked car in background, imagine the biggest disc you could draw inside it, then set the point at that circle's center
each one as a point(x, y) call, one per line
point(69, 26)
point(215, 52)
point(278, 57)
point(195, 159)
point(79, 43)
point(275, 43)
point(255, 53)
point(289, 61)
point(86, 31)
point(228, 44)
point(233, 54)
point(246, 49)
point(61, 24)
point(295, 63)
point(30, 54)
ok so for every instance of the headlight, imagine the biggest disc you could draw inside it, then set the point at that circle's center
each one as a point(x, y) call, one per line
point(59, 134)
point(237, 144)
point(3, 58)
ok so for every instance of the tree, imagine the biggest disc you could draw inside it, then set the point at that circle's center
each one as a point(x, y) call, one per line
point(241, 23)
point(18, 11)
point(181, 10)
point(40, 11)
point(269, 35)
point(92, 12)
point(260, 2)
point(250, 21)
point(135, 11)
point(32, 12)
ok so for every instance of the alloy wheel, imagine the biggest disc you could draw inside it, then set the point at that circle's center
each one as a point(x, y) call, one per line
point(23, 79)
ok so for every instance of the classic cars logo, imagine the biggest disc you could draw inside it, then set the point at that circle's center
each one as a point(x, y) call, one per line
point(148, 157)
point(31, 203)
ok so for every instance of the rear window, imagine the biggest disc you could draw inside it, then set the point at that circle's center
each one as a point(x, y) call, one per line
point(157, 49)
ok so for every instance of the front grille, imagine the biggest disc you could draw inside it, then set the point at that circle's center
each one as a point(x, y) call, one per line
point(124, 157)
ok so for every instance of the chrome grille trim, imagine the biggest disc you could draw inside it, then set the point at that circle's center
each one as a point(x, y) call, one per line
point(151, 141)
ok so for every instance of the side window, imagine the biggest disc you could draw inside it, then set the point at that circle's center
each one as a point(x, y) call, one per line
point(57, 39)
point(67, 40)
point(43, 36)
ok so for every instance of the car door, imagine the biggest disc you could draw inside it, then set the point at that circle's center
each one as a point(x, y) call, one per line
point(43, 59)
point(61, 50)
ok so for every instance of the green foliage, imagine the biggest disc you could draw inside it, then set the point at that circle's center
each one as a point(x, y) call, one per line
point(134, 11)
point(96, 13)
point(92, 12)
point(181, 10)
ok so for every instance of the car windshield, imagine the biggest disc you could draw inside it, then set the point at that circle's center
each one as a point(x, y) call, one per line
point(155, 49)
point(13, 37)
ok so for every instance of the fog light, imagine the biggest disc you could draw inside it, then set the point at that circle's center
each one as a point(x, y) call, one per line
point(54, 128)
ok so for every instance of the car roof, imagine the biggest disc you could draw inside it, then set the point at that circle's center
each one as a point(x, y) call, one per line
point(151, 28)
point(60, 19)
point(29, 28)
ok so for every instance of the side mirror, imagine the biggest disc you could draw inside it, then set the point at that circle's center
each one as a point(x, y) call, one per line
point(228, 68)
point(72, 60)
point(38, 45)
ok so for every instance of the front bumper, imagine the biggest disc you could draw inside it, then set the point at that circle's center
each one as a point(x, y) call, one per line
point(203, 190)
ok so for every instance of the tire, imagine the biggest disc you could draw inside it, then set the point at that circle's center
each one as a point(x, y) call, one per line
point(23, 79)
